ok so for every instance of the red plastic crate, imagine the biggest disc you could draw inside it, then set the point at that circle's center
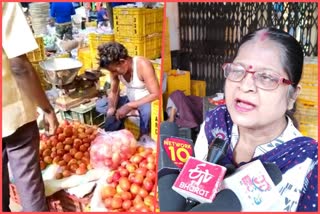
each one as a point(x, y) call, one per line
point(60, 201)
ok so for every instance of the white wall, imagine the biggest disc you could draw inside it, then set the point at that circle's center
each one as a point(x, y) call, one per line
point(173, 17)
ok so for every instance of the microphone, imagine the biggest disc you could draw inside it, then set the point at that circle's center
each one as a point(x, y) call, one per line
point(174, 151)
point(169, 200)
point(199, 181)
point(225, 201)
point(255, 184)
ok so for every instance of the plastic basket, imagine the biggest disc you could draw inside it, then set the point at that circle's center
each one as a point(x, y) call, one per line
point(179, 80)
point(95, 40)
point(198, 88)
point(309, 92)
point(132, 124)
point(306, 112)
point(60, 201)
point(310, 71)
point(155, 120)
point(147, 46)
point(84, 56)
point(38, 54)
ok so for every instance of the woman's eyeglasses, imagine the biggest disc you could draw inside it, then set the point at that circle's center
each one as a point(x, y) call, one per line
point(264, 79)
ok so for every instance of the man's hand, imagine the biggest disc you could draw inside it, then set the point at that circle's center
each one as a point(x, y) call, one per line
point(111, 111)
point(123, 111)
point(50, 122)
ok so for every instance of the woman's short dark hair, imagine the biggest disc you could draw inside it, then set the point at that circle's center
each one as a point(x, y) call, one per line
point(110, 53)
point(291, 51)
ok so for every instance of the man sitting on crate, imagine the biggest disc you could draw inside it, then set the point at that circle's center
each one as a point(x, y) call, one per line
point(142, 87)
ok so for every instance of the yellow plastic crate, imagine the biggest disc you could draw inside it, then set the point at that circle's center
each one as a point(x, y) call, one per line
point(310, 71)
point(38, 54)
point(309, 92)
point(95, 40)
point(147, 46)
point(91, 24)
point(179, 80)
point(84, 56)
point(309, 130)
point(133, 126)
point(155, 120)
point(198, 88)
point(137, 21)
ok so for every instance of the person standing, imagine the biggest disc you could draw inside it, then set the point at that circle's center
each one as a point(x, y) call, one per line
point(21, 95)
point(62, 12)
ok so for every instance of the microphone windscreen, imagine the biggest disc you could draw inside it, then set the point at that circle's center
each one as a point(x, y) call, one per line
point(225, 201)
point(169, 128)
point(274, 172)
point(169, 200)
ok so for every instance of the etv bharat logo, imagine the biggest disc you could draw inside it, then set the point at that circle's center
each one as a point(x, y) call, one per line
point(199, 176)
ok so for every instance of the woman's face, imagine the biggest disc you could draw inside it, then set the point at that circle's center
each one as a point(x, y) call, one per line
point(250, 106)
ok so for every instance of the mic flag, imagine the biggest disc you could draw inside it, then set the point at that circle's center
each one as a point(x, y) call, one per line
point(199, 180)
point(254, 187)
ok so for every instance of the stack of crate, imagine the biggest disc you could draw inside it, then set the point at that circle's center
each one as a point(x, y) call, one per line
point(37, 56)
point(307, 102)
point(139, 30)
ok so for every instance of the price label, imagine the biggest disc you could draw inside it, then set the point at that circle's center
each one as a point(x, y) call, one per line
point(178, 150)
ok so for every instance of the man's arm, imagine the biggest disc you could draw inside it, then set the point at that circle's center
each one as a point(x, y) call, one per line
point(113, 96)
point(29, 83)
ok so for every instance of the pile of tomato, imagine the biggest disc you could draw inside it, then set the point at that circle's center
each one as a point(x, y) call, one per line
point(131, 187)
point(69, 148)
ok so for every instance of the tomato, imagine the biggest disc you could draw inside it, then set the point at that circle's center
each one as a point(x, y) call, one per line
point(116, 176)
point(124, 183)
point(68, 131)
point(123, 171)
point(119, 190)
point(81, 171)
point(61, 137)
point(134, 189)
point(126, 204)
point(59, 130)
point(151, 166)
point(107, 202)
point(151, 174)
point(136, 159)
point(116, 203)
point(131, 167)
point(138, 179)
point(139, 206)
point(141, 171)
point(107, 191)
point(149, 200)
point(137, 199)
point(143, 192)
point(126, 196)
point(148, 184)
point(150, 158)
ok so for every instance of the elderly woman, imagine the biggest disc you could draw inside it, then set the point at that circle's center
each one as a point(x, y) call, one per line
point(262, 84)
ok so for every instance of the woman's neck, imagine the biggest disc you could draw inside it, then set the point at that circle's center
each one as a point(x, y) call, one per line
point(250, 138)
point(261, 135)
